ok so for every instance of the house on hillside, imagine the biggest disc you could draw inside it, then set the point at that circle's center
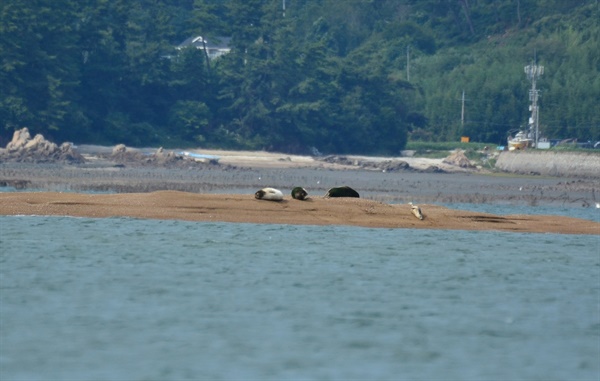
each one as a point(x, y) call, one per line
point(214, 47)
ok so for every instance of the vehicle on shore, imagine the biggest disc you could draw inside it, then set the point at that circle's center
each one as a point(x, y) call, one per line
point(522, 140)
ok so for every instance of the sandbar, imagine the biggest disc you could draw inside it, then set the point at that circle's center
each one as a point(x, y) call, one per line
point(241, 208)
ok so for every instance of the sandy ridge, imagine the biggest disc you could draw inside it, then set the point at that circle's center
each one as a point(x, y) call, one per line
point(246, 209)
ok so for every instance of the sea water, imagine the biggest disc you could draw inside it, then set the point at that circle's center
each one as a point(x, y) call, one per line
point(129, 299)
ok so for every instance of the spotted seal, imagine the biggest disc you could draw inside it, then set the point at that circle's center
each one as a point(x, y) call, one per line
point(344, 191)
point(299, 193)
point(270, 194)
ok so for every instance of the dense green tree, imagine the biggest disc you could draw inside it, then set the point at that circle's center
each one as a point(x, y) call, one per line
point(39, 74)
point(104, 67)
point(328, 74)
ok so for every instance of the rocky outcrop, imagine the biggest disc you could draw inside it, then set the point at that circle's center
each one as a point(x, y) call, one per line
point(379, 165)
point(125, 156)
point(385, 165)
point(22, 148)
point(459, 159)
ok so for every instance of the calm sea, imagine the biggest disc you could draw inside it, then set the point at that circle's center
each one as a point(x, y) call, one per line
point(127, 299)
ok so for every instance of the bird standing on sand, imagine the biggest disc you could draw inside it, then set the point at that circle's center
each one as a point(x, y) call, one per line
point(416, 210)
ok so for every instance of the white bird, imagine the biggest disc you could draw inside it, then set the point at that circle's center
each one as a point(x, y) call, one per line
point(416, 210)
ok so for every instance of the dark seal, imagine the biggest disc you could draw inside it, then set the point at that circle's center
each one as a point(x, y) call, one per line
point(344, 191)
point(299, 193)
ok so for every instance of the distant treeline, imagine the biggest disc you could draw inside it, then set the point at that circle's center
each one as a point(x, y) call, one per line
point(352, 76)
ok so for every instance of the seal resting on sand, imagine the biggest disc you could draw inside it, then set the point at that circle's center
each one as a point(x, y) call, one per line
point(416, 210)
point(270, 194)
point(299, 193)
point(344, 191)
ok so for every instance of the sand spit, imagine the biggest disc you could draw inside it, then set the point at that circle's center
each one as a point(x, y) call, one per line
point(246, 209)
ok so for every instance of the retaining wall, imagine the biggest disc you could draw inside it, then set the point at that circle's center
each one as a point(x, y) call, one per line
point(550, 163)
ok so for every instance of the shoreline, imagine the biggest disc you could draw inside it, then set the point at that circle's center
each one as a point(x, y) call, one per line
point(389, 187)
point(175, 205)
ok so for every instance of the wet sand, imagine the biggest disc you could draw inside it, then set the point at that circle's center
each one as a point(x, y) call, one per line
point(246, 209)
point(388, 187)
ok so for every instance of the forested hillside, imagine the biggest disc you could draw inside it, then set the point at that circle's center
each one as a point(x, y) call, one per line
point(334, 76)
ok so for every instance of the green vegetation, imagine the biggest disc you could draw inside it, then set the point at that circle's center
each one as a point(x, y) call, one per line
point(446, 146)
point(331, 75)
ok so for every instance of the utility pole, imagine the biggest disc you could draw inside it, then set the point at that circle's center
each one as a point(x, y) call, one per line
point(533, 72)
point(462, 112)
point(407, 63)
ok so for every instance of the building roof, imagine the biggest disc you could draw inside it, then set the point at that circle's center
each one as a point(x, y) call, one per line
point(212, 43)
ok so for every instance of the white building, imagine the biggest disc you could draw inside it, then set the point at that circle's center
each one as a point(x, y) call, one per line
point(214, 48)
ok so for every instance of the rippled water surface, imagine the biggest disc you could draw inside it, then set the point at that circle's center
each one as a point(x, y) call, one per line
point(126, 299)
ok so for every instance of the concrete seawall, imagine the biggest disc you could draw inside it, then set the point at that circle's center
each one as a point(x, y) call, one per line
point(551, 163)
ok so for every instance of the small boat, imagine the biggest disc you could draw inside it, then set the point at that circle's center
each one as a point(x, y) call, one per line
point(522, 140)
point(201, 158)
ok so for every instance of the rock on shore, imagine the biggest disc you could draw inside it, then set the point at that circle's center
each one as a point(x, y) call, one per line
point(22, 148)
point(160, 158)
point(459, 159)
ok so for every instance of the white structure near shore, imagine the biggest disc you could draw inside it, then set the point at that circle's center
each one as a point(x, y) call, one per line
point(550, 163)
